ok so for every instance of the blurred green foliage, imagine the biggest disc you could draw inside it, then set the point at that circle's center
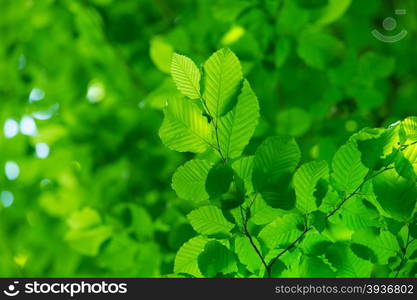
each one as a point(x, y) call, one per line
point(85, 187)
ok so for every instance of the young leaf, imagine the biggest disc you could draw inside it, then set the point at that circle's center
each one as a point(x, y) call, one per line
point(346, 263)
point(375, 144)
point(384, 245)
point(318, 220)
point(218, 180)
point(186, 76)
point(236, 128)
point(319, 49)
point(282, 231)
point(409, 127)
point(396, 195)
point(209, 220)
point(223, 75)
point(186, 258)
point(261, 213)
point(334, 10)
point(184, 128)
point(216, 259)
point(356, 214)
point(189, 180)
point(348, 170)
point(315, 267)
point(275, 159)
point(161, 53)
point(246, 254)
point(305, 181)
point(244, 168)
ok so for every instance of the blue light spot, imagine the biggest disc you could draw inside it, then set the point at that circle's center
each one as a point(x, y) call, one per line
point(28, 126)
point(11, 128)
point(42, 150)
point(7, 198)
point(36, 95)
point(46, 114)
point(12, 170)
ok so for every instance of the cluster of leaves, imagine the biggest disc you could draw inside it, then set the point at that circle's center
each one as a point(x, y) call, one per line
point(264, 214)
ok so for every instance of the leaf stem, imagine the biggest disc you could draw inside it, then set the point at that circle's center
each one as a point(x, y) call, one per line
point(252, 242)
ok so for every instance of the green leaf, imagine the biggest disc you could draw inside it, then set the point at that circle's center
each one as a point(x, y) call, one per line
point(275, 160)
point(318, 220)
point(186, 259)
point(184, 128)
point(348, 170)
point(219, 180)
point(88, 241)
point(216, 259)
point(409, 127)
point(384, 244)
point(161, 53)
point(395, 194)
point(305, 181)
point(262, 213)
point(363, 252)
point(86, 233)
point(247, 254)
point(189, 180)
point(277, 268)
point(346, 263)
point(236, 128)
point(376, 144)
point(374, 66)
point(235, 195)
point(334, 10)
point(282, 231)
point(244, 168)
point(222, 79)
point(410, 154)
point(358, 214)
point(186, 76)
point(315, 267)
point(293, 121)
point(318, 49)
point(209, 220)
point(404, 167)
point(321, 189)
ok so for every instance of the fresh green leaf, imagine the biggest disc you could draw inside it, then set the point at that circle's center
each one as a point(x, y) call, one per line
point(222, 80)
point(282, 231)
point(190, 179)
point(236, 128)
point(348, 170)
point(184, 129)
point(275, 161)
point(216, 259)
point(305, 181)
point(396, 194)
point(209, 220)
point(186, 76)
point(219, 179)
point(186, 260)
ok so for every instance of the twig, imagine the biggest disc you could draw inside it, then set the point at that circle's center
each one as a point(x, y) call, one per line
point(252, 242)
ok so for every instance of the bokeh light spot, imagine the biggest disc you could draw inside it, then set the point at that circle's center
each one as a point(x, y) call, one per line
point(7, 198)
point(36, 95)
point(12, 170)
point(42, 150)
point(11, 128)
point(28, 126)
